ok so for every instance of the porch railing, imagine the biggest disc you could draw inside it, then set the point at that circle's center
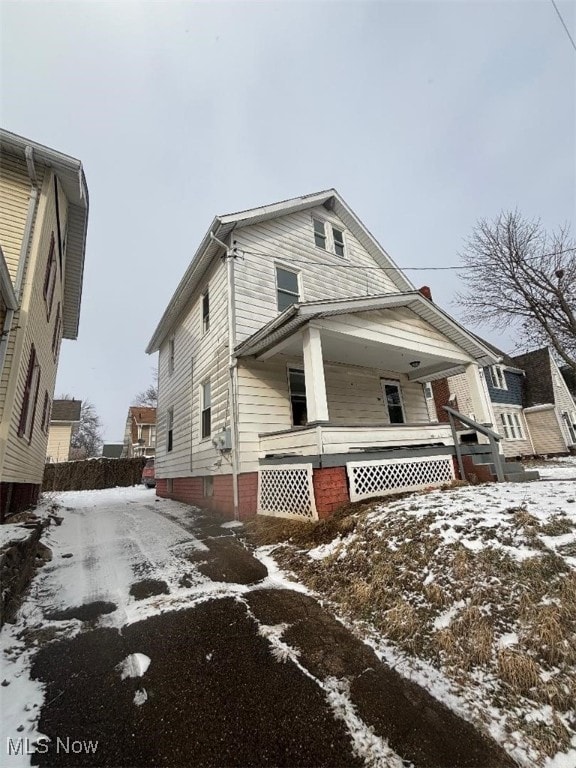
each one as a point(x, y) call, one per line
point(493, 438)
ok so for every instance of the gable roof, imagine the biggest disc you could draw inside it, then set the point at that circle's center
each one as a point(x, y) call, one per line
point(297, 315)
point(66, 410)
point(70, 174)
point(222, 226)
point(142, 414)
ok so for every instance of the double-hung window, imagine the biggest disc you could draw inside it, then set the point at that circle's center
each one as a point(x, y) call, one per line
point(206, 409)
point(57, 332)
point(171, 352)
point(319, 233)
point(393, 401)
point(512, 426)
point(206, 311)
point(287, 289)
point(50, 278)
point(46, 413)
point(169, 429)
point(26, 424)
point(498, 377)
point(338, 237)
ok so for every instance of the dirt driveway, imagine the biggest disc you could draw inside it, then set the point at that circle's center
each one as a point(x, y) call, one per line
point(158, 640)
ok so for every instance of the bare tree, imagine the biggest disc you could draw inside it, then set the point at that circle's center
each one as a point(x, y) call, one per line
point(517, 273)
point(86, 440)
point(149, 396)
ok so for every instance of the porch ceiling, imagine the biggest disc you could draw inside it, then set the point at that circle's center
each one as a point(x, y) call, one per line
point(339, 348)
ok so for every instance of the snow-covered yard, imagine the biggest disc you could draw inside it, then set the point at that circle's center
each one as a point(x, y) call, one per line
point(470, 592)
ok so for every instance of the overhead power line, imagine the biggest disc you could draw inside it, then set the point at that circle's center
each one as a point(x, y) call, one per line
point(564, 24)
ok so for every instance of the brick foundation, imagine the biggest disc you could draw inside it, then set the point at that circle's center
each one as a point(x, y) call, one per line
point(15, 497)
point(190, 490)
point(330, 490)
point(480, 472)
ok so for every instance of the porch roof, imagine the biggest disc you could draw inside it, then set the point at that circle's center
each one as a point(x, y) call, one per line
point(298, 315)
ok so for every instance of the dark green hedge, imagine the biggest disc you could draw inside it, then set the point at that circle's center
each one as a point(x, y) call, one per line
point(92, 474)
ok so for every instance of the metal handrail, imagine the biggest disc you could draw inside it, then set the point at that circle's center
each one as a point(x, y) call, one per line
point(493, 438)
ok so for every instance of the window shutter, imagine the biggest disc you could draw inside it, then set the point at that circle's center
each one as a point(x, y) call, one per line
point(27, 387)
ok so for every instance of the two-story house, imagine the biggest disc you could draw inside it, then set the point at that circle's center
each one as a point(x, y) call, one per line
point(43, 220)
point(293, 359)
point(140, 432)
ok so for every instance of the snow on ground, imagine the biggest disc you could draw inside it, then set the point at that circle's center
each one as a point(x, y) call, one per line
point(471, 593)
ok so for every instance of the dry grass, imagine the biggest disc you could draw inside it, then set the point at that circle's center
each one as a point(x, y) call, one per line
point(557, 525)
point(468, 641)
point(518, 670)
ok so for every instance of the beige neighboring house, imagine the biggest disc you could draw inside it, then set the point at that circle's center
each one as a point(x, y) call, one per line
point(140, 432)
point(43, 220)
point(65, 416)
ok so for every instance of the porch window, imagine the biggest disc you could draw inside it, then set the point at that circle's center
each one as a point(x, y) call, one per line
point(338, 236)
point(393, 400)
point(287, 288)
point(498, 377)
point(297, 387)
point(512, 426)
point(206, 410)
point(319, 233)
point(169, 429)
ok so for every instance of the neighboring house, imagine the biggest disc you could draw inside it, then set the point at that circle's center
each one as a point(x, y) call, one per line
point(43, 219)
point(531, 406)
point(140, 432)
point(65, 416)
point(293, 363)
point(112, 450)
point(504, 382)
point(549, 407)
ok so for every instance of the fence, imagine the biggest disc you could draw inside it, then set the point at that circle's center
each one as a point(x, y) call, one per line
point(92, 474)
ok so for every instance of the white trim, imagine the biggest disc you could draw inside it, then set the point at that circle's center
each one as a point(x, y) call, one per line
point(310, 487)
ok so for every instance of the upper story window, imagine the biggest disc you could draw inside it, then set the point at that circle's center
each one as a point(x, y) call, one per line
point(171, 356)
point(46, 413)
point(206, 410)
point(498, 377)
point(287, 289)
point(205, 311)
point(319, 233)
point(338, 237)
point(30, 398)
point(57, 332)
point(50, 278)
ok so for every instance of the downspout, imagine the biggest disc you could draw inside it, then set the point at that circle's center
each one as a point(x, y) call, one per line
point(8, 320)
point(232, 369)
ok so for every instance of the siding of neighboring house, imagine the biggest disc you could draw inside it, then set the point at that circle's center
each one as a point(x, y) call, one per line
point(354, 397)
point(545, 430)
point(516, 446)
point(512, 394)
point(563, 399)
point(59, 442)
point(289, 241)
point(23, 459)
point(198, 357)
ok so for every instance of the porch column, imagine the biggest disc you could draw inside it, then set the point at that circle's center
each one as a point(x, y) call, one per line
point(479, 398)
point(316, 401)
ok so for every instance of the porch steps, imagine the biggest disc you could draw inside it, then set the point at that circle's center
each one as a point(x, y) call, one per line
point(514, 471)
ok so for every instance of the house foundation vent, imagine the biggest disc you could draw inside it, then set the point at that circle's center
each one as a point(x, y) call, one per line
point(378, 478)
point(286, 491)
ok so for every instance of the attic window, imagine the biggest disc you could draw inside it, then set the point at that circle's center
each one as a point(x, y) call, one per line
point(338, 236)
point(319, 233)
point(498, 377)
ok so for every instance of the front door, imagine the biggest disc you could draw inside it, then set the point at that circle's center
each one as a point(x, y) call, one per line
point(393, 400)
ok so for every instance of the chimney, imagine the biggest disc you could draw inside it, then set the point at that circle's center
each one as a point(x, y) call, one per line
point(426, 292)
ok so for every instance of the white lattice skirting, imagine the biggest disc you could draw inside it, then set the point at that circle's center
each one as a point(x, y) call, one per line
point(377, 478)
point(286, 491)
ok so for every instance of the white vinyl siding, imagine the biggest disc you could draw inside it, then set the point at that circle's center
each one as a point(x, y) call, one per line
point(545, 430)
point(290, 240)
point(198, 357)
point(354, 397)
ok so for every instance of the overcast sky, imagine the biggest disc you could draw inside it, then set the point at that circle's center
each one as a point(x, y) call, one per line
point(424, 115)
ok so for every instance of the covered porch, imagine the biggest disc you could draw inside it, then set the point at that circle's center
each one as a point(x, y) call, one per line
point(357, 390)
